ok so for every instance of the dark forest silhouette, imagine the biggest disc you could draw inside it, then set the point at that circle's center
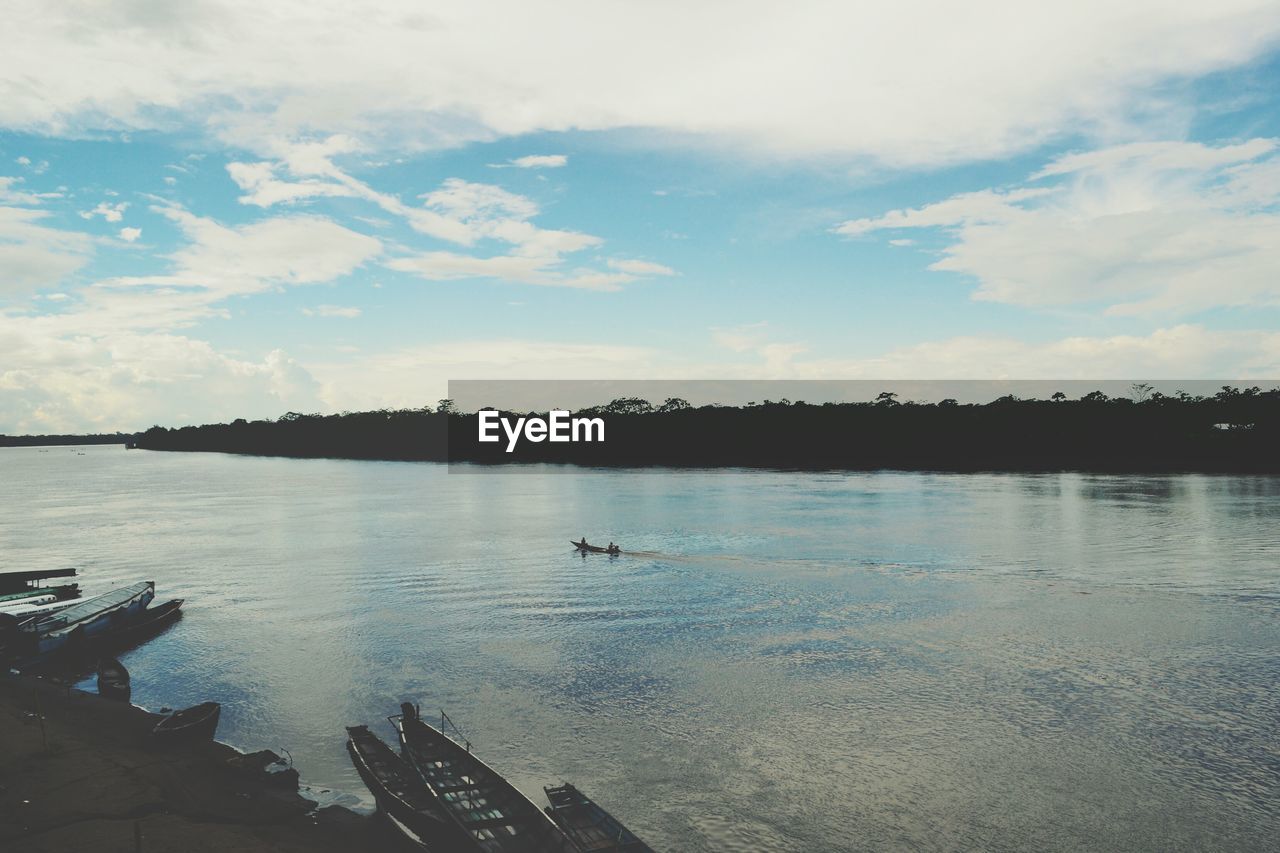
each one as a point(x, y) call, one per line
point(1234, 430)
point(62, 440)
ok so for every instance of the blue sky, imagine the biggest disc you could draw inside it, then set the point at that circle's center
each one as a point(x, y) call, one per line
point(218, 210)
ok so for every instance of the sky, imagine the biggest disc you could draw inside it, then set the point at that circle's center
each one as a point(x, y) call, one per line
point(213, 210)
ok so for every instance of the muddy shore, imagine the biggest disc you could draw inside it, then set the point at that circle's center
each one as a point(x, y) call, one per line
point(77, 772)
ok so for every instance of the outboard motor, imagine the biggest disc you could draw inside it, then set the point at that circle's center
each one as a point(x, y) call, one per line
point(408, 711)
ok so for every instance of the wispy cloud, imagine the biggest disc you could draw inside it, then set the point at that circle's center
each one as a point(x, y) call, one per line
point(1151, 228)
point(534, 161)
point(34, 255)
point(464, 213)
point(343, 311)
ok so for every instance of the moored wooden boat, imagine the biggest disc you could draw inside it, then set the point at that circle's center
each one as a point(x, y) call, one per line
point(92, 617)
point(113, 680)
point(149, 621)
point(32, 600)
point(37, 611)
point(488, 810)
point(402, 797)
point(60, 592)
point(197, 723)
point(590, 827)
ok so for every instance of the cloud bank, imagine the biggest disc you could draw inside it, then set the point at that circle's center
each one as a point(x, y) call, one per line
point(916, 82)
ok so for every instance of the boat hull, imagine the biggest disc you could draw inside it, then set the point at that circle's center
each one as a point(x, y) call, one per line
point(115, 610)
point(594, 549)
point(590, 827)
point(487, 809)
point(197, 723)
point(409, 806)
point(113, 680)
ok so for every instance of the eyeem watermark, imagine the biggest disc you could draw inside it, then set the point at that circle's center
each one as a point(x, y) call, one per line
point(558, 426)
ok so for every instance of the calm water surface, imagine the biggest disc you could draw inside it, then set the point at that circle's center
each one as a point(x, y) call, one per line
point(797, 661)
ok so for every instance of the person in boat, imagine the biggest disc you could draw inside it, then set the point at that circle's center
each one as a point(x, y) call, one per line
point(613, 549)
point(583, 542)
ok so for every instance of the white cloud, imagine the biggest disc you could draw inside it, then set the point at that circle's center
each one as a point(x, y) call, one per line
point(461, 212)
point(346, 312)
point(112, 361)
point(534, 161)
point(35, 168)
point(33, 255)
point(109, 212)
point(10, 194)
point(1177, 352)
point(410, 376)
point(640, 268)
point(895, 82)
point(222, 261)
point(741, 338)
point(1166, 228)
point(129, 381)
point(264, 189)
point(130, 234)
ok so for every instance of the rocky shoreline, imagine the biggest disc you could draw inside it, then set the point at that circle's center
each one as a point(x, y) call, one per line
point(78, 772)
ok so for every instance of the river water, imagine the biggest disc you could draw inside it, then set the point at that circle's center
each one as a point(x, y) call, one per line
point(794, 661)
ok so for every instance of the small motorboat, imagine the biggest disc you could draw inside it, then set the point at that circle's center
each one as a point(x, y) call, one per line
point(113, 680)
point(595, 549)
point(196, 723)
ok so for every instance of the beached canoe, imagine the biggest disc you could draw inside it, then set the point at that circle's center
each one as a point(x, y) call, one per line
point(113, 680)
point(407, 803)
point(488, 810)
point(590, 827)
point(197, 723)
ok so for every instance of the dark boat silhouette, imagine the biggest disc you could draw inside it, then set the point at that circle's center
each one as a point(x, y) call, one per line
point(197, 723)
point(488, 811)
point(595, 549)
point(590, 827)
point(402, 797)
point(149, 621)
point(113, 680)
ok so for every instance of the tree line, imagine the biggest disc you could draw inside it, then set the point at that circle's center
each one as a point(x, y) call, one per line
point(1234, 430)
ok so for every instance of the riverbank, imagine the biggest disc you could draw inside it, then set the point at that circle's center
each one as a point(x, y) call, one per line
point(1233, 432)
point(77, 773)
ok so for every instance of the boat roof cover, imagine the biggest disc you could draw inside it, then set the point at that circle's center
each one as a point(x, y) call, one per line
point(92, 606)
point(17, 580)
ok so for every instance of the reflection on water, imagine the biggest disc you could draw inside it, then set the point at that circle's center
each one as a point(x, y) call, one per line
point(797, 662)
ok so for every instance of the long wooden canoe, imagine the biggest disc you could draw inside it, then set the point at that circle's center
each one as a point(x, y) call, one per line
point(595, 549)
point(490, 812)
point(408, 804)
point(590, 827)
